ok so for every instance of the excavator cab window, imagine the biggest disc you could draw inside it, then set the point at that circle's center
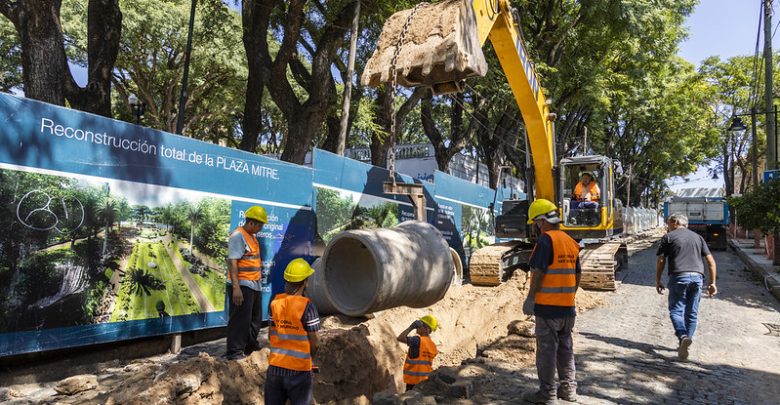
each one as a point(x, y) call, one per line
point(582, 194)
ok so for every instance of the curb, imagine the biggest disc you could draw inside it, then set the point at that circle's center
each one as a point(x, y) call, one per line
point(771, 282)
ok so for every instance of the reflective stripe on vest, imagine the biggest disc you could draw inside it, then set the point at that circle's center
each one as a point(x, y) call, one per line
point(290, 347)
point(559, 284)
point(293, 353)
point(418, 369)
point(250, 264)
point(289, 337)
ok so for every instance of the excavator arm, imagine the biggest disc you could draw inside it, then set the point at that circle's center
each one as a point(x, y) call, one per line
point(439, 45)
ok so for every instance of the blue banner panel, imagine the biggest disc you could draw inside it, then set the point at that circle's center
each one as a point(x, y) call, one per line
point(349, 195)
point(463, 213)
point(112, 231)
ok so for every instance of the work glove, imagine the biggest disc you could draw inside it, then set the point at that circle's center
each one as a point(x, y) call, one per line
point(528, 306)
point(416, 324)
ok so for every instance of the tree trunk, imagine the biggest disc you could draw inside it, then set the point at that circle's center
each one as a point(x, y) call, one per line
point(300, 133)
point(254, 19)
point(104, 26)
point(252, 106)
point(43, 56)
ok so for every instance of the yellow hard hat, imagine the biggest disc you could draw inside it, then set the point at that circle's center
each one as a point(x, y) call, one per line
point(544, 207)
point(430, 321)
point(257, 213)
point(297, 271)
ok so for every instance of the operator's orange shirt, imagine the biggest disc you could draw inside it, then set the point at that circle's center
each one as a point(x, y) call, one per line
point(593, 188)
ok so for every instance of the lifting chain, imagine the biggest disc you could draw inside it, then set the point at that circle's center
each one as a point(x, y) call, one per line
point(394, 86)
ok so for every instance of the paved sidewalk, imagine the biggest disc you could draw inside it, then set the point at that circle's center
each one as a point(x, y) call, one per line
point(626, 353)
point(758, 263)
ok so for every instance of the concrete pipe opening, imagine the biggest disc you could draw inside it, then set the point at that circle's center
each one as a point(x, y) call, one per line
point(353, 277)
point(366, 271)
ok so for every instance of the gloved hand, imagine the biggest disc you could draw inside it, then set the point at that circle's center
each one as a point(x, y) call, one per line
point(416, 324)
point(528, 306)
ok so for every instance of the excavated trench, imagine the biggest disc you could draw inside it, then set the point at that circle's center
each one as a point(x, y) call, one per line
point(359, 357)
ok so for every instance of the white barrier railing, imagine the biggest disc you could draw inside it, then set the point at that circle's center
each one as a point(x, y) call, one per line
point(636, 220)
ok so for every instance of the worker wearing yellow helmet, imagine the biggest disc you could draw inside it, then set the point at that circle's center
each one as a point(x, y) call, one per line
point(555, 277)
point(292, 333)
point(244, 270)
point(419, 358)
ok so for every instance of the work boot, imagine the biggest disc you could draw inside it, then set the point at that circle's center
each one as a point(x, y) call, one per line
point(682, 350)
point(567, 394)
point(536, 397)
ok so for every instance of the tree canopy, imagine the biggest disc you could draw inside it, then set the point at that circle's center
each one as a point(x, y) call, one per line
point(267, 76)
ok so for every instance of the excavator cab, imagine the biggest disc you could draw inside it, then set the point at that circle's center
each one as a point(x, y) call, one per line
point(587, 197)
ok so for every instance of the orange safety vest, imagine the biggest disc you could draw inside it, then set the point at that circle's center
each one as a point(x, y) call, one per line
point(560, 282)
point(249, 265)
point(418, 369)
point(593, 189)
point(290, 347)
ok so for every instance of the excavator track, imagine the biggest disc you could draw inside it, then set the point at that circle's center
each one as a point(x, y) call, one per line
point(599, 263)
point(492, 265)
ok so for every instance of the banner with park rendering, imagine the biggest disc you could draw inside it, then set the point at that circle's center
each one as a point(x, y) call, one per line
point(113, 231)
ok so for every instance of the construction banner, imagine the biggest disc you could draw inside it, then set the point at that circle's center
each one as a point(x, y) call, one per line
point(112, 231)
point(349, 195)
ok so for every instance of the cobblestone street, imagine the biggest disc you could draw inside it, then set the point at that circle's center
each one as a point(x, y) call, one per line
point(626, 352)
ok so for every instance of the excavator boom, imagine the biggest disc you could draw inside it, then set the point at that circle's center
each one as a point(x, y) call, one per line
point(439, 45)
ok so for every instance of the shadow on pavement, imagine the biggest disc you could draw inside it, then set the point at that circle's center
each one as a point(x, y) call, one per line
point(662, 378)
point(736, 283)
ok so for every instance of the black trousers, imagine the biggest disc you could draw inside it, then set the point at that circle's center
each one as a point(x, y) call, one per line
point(296, 388)
point(244, 323)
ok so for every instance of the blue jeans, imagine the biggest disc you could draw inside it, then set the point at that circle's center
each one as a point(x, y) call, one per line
point(579, 205)
point(684, 296)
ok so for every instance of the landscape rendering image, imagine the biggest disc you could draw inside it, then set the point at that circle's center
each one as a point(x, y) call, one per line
point(342, 210)
point(82, 250)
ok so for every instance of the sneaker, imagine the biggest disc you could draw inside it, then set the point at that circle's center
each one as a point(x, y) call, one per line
point(567, 394)
point(682, 351)
point(537, 397)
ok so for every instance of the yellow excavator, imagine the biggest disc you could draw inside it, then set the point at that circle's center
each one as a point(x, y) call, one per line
point(439, 45)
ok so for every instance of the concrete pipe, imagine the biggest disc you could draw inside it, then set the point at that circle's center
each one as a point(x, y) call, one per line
point(370, 270)
point(317, 292)
point(457, 268)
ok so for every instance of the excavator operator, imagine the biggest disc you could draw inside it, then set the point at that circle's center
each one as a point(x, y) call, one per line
point(587, 193)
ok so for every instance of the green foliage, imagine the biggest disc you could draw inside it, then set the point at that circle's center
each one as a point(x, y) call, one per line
point(759, 208)
point(11, 62)
point(142, 282)
point(151, 58)
point(333, 210)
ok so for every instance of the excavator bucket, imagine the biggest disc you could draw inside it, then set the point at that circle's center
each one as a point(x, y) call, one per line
point(440, 48)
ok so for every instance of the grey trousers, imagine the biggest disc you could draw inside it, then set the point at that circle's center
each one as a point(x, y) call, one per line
point(555, 351)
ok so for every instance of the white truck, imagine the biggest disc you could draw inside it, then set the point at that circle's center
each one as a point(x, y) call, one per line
point(707, 216)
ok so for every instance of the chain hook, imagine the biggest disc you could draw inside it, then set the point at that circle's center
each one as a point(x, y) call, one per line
point(394, 86)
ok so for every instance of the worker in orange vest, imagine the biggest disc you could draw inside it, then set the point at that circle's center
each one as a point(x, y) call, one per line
point(294, 342)
point(244, 271)
point(419, 358)
point(587, 193)
point(555, 277)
